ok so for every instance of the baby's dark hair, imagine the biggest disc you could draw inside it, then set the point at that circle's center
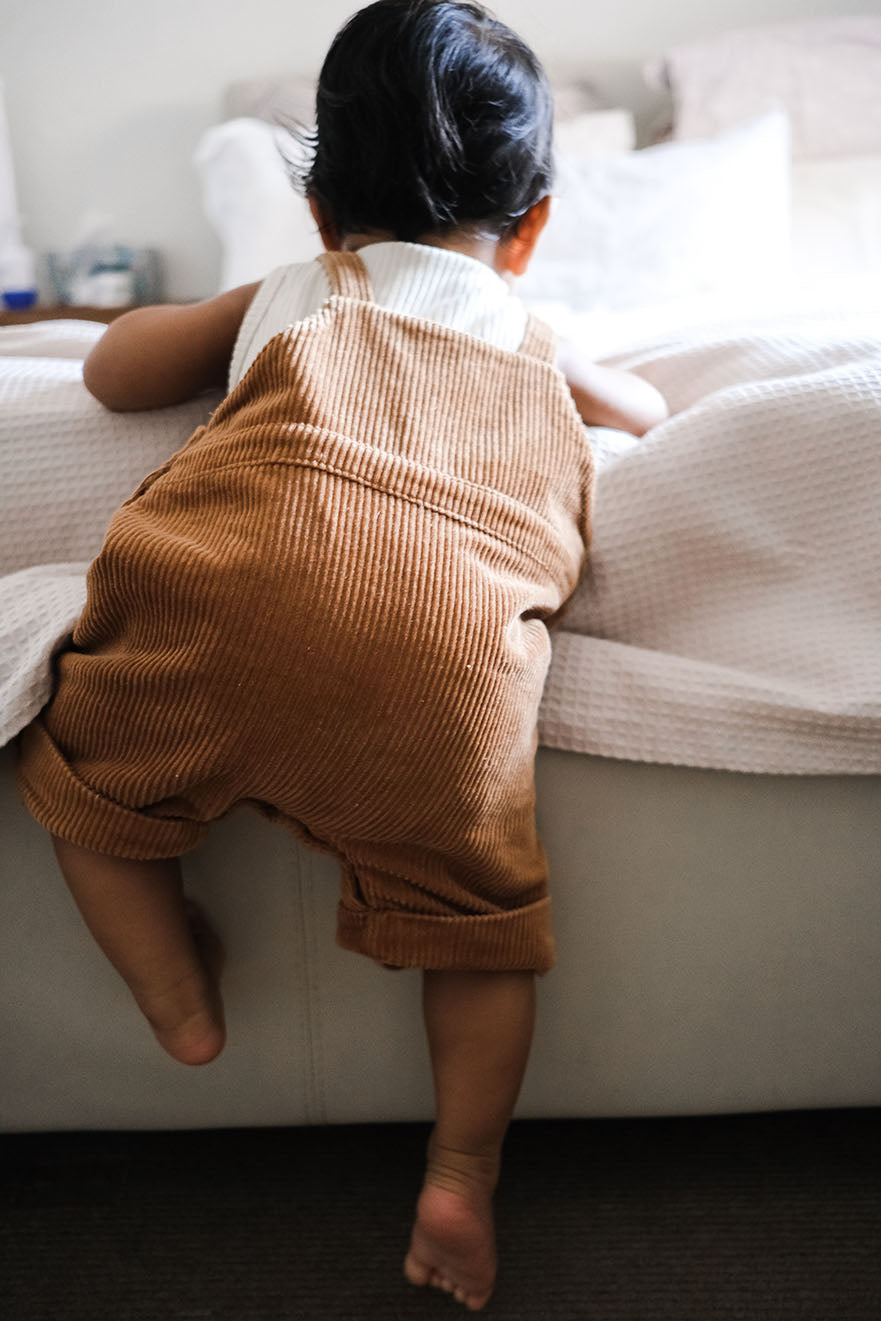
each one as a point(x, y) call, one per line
point(430, 116)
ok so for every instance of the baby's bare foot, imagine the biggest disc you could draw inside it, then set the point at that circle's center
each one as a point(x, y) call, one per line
point(453, 1242)
point(207, 942)
point(186, 1018)
point(186, 1014)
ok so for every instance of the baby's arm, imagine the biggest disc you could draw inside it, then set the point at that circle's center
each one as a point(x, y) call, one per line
point(157, 356)
point(610, 397)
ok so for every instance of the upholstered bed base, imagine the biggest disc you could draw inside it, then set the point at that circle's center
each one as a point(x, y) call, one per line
point(717, 951)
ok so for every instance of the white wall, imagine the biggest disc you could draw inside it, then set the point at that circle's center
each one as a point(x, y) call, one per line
point(106, 99)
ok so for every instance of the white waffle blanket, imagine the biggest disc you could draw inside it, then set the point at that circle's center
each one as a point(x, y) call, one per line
point(731, 617)
point(67, 463)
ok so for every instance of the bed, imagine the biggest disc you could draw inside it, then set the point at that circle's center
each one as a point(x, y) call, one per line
point(709, 776)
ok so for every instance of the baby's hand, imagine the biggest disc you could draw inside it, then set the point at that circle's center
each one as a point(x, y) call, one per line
point(610, 397)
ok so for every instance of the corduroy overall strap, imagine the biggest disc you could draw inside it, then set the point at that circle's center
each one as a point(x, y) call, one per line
point(539, 341)
point(348, 278)
point(347, 275)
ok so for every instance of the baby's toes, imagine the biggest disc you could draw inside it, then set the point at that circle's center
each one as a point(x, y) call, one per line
point(416, 1271)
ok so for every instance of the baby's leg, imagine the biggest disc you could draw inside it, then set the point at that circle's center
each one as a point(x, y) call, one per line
point(479, 1033)
point(167, 954)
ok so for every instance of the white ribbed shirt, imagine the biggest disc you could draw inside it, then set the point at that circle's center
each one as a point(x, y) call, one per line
point(434, 284)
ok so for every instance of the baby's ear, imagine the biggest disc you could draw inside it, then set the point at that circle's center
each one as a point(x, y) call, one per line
point(515, 251)
point(327, 229)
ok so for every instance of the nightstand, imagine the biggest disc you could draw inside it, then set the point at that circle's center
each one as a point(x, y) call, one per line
point(55, 313)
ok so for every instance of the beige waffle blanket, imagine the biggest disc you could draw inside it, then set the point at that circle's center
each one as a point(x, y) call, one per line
point(731, 617)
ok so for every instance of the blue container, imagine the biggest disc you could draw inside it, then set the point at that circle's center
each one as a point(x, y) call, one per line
point(18, 299)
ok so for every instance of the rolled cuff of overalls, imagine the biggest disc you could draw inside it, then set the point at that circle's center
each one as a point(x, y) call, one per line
point(62, 802)
point(517, 940)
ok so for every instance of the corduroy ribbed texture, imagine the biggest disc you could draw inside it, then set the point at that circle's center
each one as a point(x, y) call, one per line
point(333, 604)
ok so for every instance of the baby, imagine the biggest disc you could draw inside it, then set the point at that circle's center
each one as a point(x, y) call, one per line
point(333, 602)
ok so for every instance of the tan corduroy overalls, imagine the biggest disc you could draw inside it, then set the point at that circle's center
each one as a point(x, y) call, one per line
point(332, 604)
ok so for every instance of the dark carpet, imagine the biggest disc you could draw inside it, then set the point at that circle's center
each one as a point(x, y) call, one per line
point(758, 1218)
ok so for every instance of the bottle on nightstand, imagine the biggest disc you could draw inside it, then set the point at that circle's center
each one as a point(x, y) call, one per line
point(18, 280)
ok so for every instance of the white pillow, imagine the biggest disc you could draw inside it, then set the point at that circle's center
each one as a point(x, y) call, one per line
point(263, 223)
point(669, 222)
point(836, 220)
point(595, 133)
point(825, 74)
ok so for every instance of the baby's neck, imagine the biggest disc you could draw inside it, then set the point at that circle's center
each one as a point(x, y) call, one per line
point(480, 248)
